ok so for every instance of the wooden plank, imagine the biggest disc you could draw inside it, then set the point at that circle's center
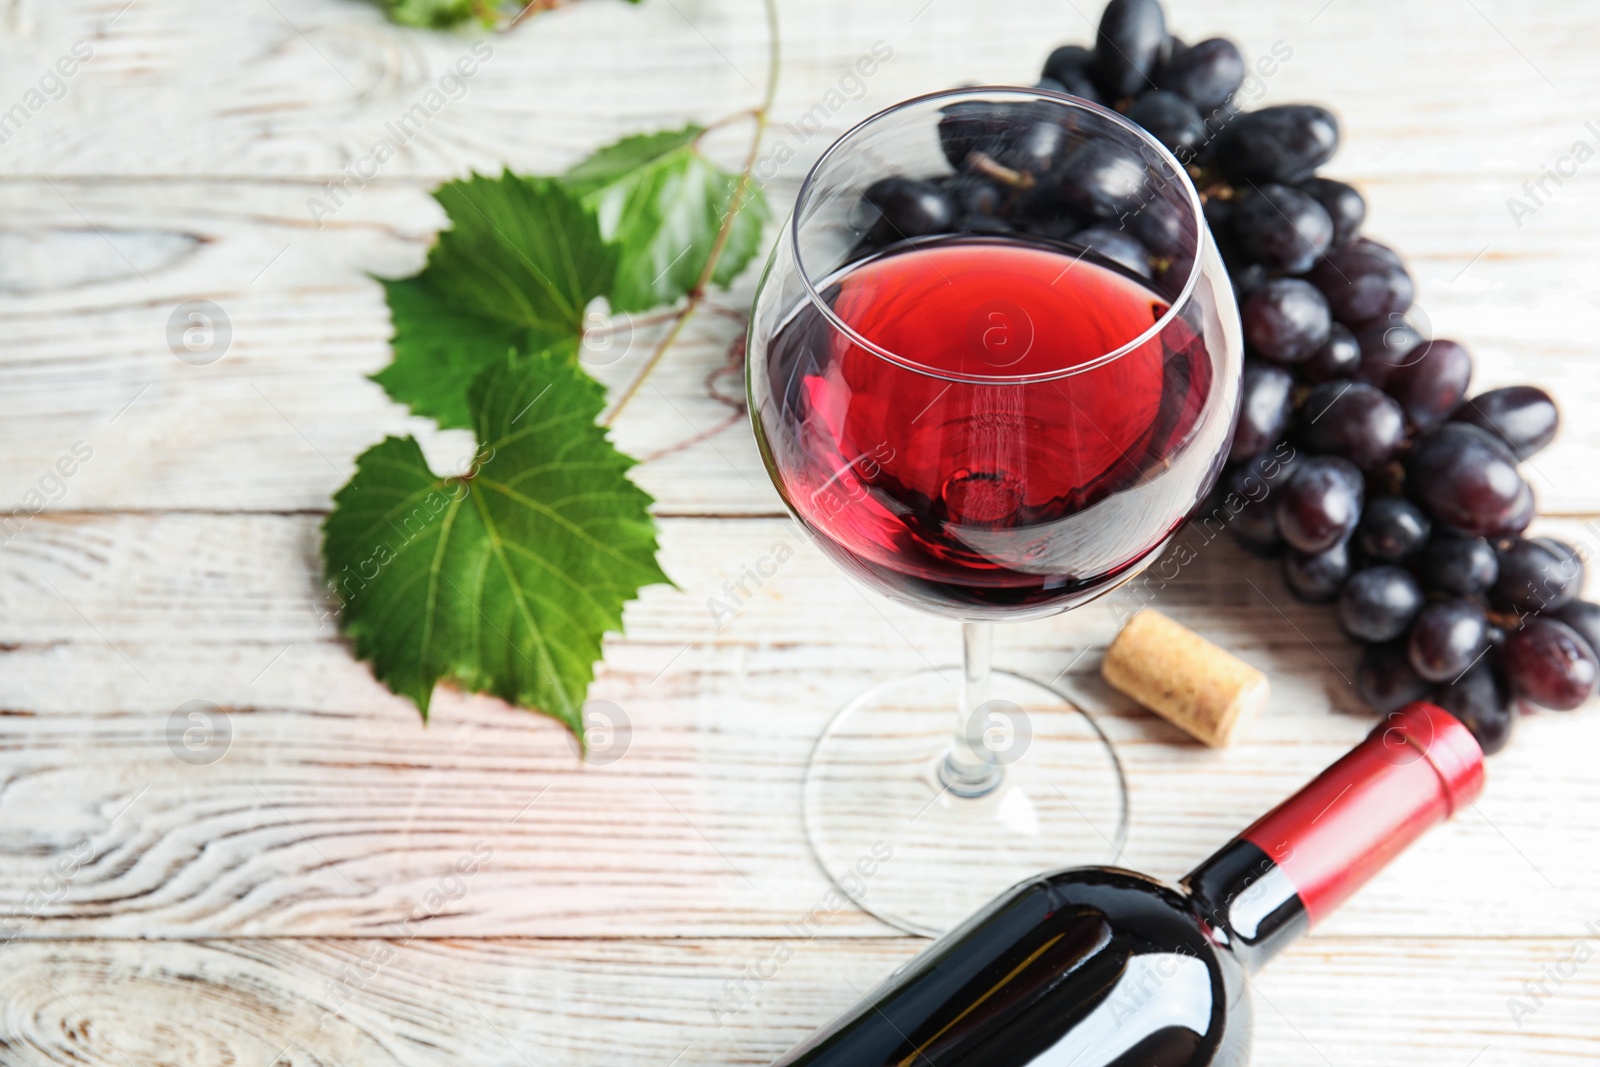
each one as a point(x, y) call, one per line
point(418, 1002)
point(335, 805)
point(300, 89)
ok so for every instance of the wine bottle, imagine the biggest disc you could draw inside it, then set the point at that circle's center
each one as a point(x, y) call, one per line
point(1102, 967)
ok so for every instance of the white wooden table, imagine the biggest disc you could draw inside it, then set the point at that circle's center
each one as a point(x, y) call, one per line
point(293, 902)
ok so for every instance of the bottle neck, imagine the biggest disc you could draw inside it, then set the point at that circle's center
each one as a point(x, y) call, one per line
point(1304, 858)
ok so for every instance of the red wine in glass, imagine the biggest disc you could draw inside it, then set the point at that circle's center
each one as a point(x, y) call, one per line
point(980, 415)
point(999, 461)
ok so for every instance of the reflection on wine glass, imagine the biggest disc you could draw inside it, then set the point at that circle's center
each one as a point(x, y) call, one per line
point(993, 366)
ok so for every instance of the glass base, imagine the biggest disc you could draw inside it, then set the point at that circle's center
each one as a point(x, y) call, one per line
point(893, 830)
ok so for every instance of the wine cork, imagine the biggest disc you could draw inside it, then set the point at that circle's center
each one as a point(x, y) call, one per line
point(1201, 689)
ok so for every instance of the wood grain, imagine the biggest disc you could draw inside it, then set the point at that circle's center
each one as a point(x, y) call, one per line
point(418, 1001)
point(335, 805)
point(230, 912)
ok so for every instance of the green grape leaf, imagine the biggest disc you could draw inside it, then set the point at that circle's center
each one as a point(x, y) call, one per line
point(445, 14)
point(431, 14)
point(662, 203)
point(521, 260)
point(503, 580)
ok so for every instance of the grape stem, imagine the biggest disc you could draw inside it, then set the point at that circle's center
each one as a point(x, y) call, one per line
point(726, 120)
point(761, 114)
point(536, 7)
point(630, 323)
point(984, 164)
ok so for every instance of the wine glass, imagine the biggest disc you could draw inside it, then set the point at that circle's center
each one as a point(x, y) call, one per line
point(993, 366)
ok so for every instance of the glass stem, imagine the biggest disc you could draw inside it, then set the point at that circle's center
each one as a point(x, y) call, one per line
point(969, 770)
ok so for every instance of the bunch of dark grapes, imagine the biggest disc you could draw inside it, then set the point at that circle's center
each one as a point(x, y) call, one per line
point(1389, 490)
point(1362, 459)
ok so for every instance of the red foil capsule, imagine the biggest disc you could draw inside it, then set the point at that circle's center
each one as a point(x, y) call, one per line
point(1417, 768)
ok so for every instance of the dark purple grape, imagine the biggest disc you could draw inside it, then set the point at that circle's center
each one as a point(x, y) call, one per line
point(1465, 566)
point(1162, 228)
point(1523, 416)
point(1521, 517)
point(1344, 206)
point(1207, 74)
point(1392, 529)
point(897, 208)
point(1584, 618)
point(1320, 504)
point(1286, 320)
point(1381, 250)
point(1385, 679)
point(1352, 420)
point(1537, 575)
point(971, 126)
point(1069, 66)
point(1027, 137)
point(1115, 245)
point(983, 224)
point(973, 194)
point(1466, 478)
point(1447, 637)
point(1128, 46)
point(1101, 180)
point(1339, 357)
point(1172, 120)
point(1363, 281)
point(1255, 482)
point(1031, 137)
point(1388, 338)
point(1171, 49)
point(1248, 279)
point(1378, 604)
point(1277, 144)
point(1173, 272)
point(1481, 699)
point(1385, 344)
point(1041, 213)
point(1219, 214)
point(1549, 665)
point(1282, 228)
point(1431, 382)
point(1264, 406)
point(1317, 577)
